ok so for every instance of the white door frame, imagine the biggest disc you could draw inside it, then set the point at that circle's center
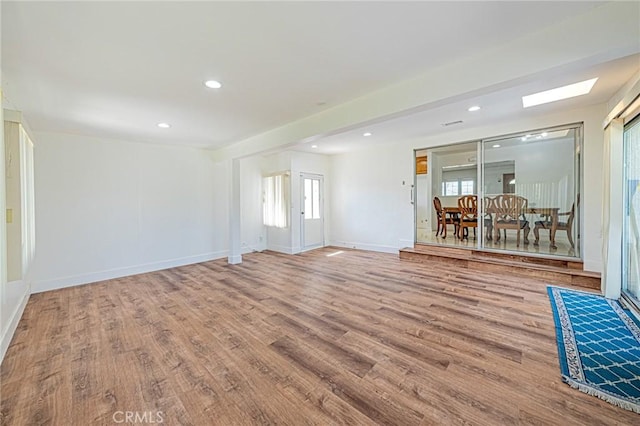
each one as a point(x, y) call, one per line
point(304, 176)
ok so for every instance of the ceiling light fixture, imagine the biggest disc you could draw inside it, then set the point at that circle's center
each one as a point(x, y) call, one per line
point(474, 108)
point(366, 134)
point(314, 146)
point(496, 146)
point(213, 84)
point(164, 125)
point(538, 136)
point(559, 93)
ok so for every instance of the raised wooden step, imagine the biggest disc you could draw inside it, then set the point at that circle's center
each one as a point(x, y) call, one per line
point(552, 270)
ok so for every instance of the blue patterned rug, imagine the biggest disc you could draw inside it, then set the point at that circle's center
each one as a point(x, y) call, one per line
point(598, 346)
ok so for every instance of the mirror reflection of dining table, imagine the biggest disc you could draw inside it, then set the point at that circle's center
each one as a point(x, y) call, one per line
point(448, 212)
point(551, 212)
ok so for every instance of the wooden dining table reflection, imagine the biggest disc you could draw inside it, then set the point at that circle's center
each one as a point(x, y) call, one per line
point(552, 213)
point(448, 212)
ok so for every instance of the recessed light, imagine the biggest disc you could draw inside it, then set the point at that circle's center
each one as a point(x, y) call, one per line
point(474, 108)
point(559, 93)
point(314, 146)
point(164, 125)
point(544, 134)
point(366, 134)
point(496, 146)
point(213, 84)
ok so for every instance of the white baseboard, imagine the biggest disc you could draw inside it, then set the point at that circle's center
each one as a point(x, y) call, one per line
point(13, 324)
point(253, 248)
point(54, 284)
point(364, 246)
point(313, 247)
point(234, 260)
point(280, 249)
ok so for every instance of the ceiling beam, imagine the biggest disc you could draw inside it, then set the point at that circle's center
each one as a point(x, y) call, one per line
point(604, 33)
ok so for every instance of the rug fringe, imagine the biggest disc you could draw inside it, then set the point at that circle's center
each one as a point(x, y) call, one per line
point(611, 399)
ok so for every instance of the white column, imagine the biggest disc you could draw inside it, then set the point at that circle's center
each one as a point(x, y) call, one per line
point(235, 254)
point(613, 210)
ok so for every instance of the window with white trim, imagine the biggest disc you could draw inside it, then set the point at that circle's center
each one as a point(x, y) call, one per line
point(466, 187)
point(458, 187)
point(311, 198)
point(275, 206)
point(450, 188)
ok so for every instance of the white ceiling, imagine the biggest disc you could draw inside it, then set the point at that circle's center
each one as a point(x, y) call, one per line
point(116, 69)
point(496, 106)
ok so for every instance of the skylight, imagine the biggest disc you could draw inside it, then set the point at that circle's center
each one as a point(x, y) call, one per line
point(559, 93)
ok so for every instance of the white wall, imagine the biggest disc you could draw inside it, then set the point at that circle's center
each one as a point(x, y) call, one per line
point(109, 208)
point(494, 176)
point(253, 233)
point(371, 198)
point(424, 203)
point(372, 209)
point(548, 165)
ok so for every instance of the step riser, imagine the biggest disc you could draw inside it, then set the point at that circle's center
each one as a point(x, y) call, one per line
point(570, 275)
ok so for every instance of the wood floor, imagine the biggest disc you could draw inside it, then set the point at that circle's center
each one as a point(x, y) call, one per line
point(356, 338)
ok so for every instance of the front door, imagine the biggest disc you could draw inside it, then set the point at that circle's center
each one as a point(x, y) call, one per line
point(312, 213)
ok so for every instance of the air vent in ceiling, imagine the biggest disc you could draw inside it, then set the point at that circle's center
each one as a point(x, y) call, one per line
point(452, 123)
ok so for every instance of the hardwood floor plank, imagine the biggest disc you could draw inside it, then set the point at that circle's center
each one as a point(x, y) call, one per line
point(352, 361)
point(353, 338)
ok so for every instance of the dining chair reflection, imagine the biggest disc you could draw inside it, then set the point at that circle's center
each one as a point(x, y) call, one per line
point(468, 206)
